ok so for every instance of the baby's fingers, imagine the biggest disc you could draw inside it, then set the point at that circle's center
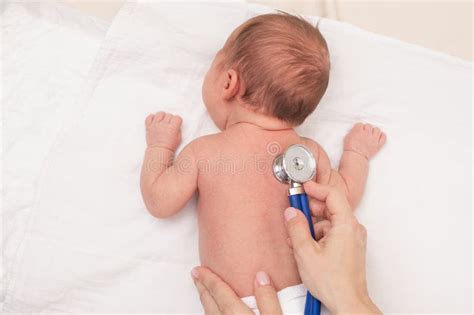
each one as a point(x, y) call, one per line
point(149, 120)
point(167, 118)
point(383, 139)
point(159, 116)
point(376, 132)
point(176, 121)
point(358, 126)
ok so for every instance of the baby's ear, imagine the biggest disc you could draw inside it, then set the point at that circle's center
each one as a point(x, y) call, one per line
point(232, 84)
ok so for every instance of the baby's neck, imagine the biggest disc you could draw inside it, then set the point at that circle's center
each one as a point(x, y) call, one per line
point(240, 115)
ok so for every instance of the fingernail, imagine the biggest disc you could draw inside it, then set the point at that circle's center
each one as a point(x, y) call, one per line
point(195, 273)
point(290, 213)
point(262, 278)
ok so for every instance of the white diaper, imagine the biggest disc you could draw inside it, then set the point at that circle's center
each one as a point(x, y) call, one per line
point(292, 300)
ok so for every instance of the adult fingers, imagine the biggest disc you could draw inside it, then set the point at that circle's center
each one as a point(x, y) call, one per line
point(265, 294)
point(303, 244)
point(335, 200)
point(321, 228)
point(317, 207)
point(207, 301)
point(223, 295)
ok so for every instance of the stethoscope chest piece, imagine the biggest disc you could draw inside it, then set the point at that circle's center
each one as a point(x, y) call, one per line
point(296, 164)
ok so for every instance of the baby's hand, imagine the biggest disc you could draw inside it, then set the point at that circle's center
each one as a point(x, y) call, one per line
point(163, 130)
point(364, 139)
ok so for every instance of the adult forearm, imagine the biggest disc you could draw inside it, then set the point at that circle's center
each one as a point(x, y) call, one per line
point(354, 304)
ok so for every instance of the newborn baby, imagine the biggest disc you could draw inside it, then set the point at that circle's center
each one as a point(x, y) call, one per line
point(268, 78)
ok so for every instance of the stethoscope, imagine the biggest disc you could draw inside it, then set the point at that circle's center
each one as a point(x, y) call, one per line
point(294, 167)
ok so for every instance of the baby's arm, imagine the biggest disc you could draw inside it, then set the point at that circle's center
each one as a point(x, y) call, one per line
point(360, 145)
point(166, 185)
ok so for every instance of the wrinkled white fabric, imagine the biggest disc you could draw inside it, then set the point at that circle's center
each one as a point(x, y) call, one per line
point(47, 51)
point(91, 246)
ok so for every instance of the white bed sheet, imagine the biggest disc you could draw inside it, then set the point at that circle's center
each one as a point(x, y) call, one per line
point(90, 245)
point(47, 51)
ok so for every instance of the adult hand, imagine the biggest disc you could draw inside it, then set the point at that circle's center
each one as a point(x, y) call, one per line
point(217, 297)
point(332, 269)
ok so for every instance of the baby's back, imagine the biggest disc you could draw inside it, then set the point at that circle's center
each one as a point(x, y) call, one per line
point(241, 206)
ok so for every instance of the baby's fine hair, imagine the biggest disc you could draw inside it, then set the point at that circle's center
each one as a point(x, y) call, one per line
point(283, 65)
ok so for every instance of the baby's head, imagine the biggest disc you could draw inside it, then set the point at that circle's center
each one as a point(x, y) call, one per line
point(275, 64)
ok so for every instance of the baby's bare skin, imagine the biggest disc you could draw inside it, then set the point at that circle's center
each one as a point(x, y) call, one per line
point(241, 204)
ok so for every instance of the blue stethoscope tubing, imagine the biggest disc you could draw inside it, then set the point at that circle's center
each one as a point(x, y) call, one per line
point(300, 201)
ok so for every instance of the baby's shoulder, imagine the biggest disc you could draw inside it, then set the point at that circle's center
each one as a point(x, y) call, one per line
point(206, 144)
point(323, 163)
point(318, 151)
point(312, 145)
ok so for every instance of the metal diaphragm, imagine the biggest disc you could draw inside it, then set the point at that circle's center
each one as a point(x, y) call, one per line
point(296, 164)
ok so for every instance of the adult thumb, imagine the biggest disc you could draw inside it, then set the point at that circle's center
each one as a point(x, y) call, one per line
point(304, 247)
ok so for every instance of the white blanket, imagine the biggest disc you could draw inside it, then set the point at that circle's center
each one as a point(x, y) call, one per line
point(47, 51)
point(90, 245)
